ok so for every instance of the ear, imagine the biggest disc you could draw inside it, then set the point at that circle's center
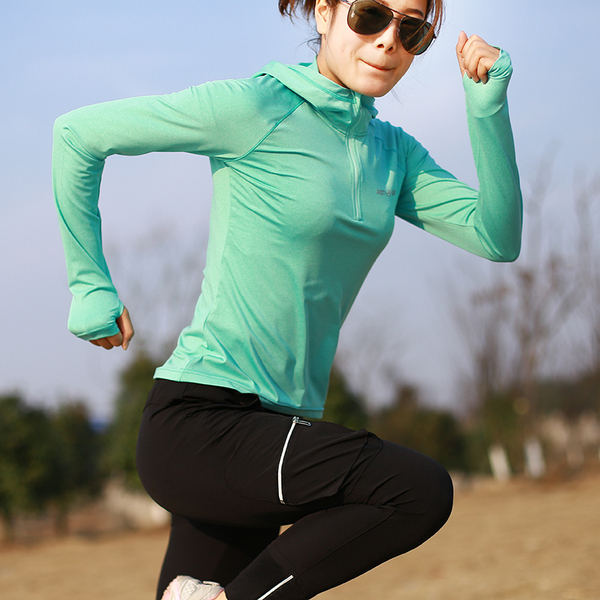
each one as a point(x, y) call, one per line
point(323, 14)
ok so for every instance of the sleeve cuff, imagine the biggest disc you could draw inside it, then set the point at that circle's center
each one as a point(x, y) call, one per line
point(486, 99)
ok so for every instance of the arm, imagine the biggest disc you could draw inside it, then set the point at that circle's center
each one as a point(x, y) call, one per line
point(203, 120)
point(487, 223)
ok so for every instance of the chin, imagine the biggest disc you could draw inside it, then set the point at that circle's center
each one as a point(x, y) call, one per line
point(380, 93)
point(375, 86)
point(374, 90)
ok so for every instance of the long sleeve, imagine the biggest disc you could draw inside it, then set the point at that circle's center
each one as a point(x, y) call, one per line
point(206, 120)
point(489, 222)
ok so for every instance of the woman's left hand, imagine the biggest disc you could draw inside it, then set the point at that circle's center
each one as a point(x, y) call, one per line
point(120, 339)
point(475, 57)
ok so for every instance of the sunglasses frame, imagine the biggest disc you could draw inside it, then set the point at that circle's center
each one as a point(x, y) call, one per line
point(420, 48)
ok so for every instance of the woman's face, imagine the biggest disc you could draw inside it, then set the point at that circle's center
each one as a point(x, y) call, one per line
point(368, 64)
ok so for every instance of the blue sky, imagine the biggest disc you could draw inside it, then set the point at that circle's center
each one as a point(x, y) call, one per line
point(59, 55)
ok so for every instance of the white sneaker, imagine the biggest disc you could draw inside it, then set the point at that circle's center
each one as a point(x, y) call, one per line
point(188, 588)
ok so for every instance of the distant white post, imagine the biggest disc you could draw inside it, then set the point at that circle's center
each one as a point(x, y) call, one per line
point(535, 465)
point(499, 462)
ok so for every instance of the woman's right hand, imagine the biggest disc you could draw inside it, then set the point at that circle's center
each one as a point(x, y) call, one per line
point(475, 57)
point(120, 339)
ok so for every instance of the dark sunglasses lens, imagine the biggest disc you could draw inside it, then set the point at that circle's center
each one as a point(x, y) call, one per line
point(366, 17)
point(413, 35)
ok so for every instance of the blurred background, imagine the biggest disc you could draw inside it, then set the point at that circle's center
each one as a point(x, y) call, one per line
point(492, 369)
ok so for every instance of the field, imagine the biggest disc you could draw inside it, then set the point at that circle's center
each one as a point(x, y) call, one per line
point(519, 541)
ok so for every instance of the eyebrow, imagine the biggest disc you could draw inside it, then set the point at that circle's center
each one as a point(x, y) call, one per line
point(406, 11)
point(414, 11)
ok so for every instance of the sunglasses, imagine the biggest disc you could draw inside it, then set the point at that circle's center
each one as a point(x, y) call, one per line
point(367, 17)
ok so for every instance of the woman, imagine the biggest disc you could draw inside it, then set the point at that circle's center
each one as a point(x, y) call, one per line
point(307, 185)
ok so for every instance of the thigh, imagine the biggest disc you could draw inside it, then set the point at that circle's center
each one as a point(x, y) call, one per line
point(243, 467)
point(404, 479)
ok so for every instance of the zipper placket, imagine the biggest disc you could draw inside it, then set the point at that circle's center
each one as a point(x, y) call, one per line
point(295, 421)
point(355, 168)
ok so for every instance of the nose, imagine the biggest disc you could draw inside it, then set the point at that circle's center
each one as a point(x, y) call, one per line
point(388, 38)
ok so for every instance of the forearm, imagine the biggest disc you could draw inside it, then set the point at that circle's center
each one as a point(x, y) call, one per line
point(498, 214)
point(485, 222)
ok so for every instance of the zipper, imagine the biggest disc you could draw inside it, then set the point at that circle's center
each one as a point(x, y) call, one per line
point(295, 421)
point(355, 169)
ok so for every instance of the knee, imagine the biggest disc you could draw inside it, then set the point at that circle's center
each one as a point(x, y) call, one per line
point(422, 503)
point(408, 481)
point(440, 495)
point(430, 494)
point(435, 500)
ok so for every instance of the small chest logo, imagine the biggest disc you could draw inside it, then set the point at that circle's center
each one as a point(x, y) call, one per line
point(387, 193)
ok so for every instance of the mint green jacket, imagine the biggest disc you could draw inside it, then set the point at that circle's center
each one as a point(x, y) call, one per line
point(307, 186)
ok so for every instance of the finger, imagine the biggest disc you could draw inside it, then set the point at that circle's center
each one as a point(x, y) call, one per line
point(115, 340)
point(479, 57)
point(487, 62)
point(482, 71)
point(470, 58)
point(122, 338)
point(109, 342)
point(102, 343)
point(462, 40)
point(479, 66)
point(471, 54)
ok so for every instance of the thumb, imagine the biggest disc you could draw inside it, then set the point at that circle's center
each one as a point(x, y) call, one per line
point(462, 40)
point(125, 329)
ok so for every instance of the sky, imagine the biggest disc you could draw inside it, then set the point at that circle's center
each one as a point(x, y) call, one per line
point(58, 55)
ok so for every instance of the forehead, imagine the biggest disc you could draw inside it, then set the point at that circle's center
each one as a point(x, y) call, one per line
point(407, 6)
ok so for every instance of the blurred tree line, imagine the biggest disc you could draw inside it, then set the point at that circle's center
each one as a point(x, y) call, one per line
point(52, 461)
point(49, 461)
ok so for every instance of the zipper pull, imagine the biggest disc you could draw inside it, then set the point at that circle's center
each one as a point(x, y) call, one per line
point(300, 421)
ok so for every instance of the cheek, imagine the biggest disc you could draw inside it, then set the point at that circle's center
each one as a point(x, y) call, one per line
point(341, 52)
point(406, 64)
point(343, 44)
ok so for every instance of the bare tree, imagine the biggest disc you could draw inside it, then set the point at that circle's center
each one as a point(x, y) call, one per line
point(510, 326)
point(370, 351)
point(482, 324)
point(587, 196)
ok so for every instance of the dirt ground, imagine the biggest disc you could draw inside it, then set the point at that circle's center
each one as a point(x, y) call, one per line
point(516, 541)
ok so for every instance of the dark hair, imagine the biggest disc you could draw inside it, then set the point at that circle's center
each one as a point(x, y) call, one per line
point(434, 12)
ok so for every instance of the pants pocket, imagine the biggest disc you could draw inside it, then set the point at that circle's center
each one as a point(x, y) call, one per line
point(296, 421)
point(290, 461)
point(318, 461)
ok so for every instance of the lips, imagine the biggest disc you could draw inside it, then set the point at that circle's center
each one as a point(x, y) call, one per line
point(378, 67)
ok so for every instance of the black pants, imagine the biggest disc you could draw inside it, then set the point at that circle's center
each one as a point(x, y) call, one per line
point(231, 473)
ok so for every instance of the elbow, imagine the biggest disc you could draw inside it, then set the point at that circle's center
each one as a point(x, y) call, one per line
point(505, 245)
point(68, 122)
point(508, 254)
point(511, 257)
point(60, 132)
point(61, 127)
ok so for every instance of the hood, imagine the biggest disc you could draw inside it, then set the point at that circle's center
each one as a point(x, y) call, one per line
point(341, 106)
